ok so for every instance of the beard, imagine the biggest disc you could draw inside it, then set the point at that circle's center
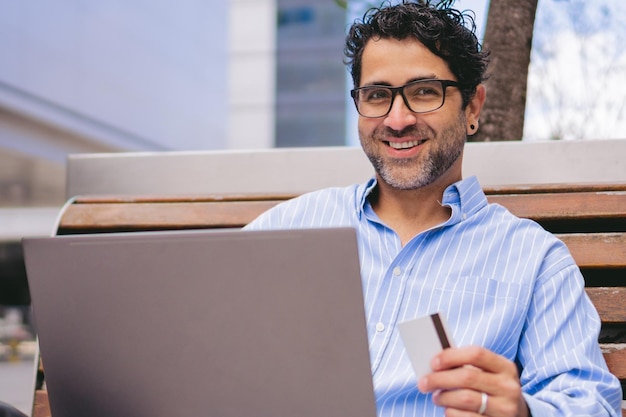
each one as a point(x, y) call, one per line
point(439, 154)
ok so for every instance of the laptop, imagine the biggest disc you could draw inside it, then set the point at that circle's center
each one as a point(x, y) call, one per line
point(223, 323)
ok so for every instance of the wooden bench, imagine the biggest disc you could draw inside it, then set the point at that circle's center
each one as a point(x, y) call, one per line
point(589, 218)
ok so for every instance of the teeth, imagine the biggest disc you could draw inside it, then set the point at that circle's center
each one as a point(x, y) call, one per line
point(405, 145)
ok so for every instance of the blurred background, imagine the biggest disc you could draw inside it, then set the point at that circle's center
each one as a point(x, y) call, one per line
point(87, 76)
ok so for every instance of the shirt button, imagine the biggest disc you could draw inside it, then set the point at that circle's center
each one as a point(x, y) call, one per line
point(380, 327)
point(464, 216)
point(397, 271)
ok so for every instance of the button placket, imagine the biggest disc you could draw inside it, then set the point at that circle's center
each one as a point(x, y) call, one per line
point(394, 285)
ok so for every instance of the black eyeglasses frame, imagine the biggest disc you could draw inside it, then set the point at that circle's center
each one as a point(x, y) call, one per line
point(400, 90)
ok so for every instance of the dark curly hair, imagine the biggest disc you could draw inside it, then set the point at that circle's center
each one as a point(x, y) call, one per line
point(446, 32)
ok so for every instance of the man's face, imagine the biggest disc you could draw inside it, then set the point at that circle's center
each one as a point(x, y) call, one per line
point(410, 150)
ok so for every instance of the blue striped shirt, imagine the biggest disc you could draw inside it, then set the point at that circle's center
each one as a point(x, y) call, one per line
point(501, 282)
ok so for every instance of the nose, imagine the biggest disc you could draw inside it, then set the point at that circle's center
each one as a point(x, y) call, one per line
point(400, 116)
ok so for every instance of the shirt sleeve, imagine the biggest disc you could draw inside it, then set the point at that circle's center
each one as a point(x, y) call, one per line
point(563, 371)
point(270, 219)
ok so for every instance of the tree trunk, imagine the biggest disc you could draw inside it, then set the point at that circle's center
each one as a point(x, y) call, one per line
point(508, 36)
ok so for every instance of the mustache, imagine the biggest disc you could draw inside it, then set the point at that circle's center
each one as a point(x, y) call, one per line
point(407, 131)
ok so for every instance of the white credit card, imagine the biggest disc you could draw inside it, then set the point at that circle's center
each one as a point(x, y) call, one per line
point(423, 338)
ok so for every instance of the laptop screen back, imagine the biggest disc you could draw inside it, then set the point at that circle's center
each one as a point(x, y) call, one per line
point(222, 323)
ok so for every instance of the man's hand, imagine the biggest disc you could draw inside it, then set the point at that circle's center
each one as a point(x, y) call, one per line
point(461, 376)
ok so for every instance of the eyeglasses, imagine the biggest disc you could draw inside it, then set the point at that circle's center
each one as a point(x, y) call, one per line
point(421, 96)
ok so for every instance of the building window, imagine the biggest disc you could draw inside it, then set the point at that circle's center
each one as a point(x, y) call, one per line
point(311, 76)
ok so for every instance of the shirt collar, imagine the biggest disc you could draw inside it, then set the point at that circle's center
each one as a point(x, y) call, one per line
point(465, 197)
point(362, 192)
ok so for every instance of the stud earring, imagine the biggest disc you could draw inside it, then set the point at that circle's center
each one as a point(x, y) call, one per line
point(472, 127)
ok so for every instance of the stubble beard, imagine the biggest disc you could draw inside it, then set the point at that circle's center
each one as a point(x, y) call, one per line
point(438, 156)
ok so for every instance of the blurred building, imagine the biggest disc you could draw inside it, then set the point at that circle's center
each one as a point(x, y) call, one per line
point(116, 76)
point(310, 74)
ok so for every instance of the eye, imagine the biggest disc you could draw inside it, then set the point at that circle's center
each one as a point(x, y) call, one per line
point(375, 94)
point(424, 90)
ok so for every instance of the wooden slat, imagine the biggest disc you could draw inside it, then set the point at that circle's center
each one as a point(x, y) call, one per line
point(610, 303)
point(162, 215)
point(181, 198)
point(554, 188)
point(597, 250)
point(489, 190)
point(615, 357)
point(565, 206)
point(540, 202)
point(541, 207)
point(41, 407)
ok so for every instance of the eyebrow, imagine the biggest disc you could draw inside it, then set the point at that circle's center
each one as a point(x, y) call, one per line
point(386, 84)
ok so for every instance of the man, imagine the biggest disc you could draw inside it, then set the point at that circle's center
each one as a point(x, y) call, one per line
point(429, 242)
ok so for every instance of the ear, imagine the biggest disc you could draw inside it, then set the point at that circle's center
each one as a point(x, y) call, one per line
point(473, 109)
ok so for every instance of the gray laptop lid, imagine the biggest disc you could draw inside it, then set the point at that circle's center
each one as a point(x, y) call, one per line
point(219, 323)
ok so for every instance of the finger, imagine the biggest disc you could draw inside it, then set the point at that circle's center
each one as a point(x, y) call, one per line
point(461, 389)
point(464, 377)
point(462, 400)
point(473, 379)
point(475, 356)
point(462, 403)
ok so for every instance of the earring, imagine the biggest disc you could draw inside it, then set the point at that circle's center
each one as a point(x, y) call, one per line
point(472, 127)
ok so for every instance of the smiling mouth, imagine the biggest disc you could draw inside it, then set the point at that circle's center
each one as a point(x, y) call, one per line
point(406, 145)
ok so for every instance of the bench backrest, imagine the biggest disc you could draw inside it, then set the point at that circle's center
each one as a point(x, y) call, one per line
point(589, 218)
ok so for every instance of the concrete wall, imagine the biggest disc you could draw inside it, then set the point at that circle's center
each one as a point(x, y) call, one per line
point(305, 169)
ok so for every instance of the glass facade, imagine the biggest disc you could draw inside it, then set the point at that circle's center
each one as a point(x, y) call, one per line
point(310, 74)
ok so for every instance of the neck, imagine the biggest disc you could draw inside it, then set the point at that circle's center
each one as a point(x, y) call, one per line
point(410, 212)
